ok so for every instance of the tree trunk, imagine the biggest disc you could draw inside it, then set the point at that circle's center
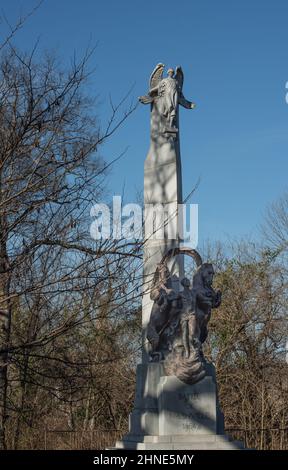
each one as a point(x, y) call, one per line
point(5, 328)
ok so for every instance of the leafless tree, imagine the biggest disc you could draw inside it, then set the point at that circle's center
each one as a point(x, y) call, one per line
point(51, 173)
point(247, 343)
point(275, 226)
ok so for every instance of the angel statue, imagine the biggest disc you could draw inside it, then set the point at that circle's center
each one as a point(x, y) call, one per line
point(166, 94)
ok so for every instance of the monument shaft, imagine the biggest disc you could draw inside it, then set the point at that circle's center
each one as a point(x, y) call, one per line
point(162, 182)
point(162, 196)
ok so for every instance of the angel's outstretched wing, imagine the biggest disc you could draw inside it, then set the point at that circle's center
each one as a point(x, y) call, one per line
point(156, 75)
point(155, 78)
point(179, 77)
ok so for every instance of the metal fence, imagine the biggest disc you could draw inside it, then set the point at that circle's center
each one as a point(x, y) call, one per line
point(80, 440)
point(261, 439)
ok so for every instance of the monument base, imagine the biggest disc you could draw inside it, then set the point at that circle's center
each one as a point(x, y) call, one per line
point(169, 414)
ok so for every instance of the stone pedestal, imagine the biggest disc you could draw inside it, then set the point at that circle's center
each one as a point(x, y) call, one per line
point(169, 414)
point(186, 409)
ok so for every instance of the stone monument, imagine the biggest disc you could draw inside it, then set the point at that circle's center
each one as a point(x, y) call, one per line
point(176, 404)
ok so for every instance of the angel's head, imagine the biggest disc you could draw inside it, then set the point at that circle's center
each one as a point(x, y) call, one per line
point(170, 73)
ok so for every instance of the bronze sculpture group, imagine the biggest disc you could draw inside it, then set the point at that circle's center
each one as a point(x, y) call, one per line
point(178, 323)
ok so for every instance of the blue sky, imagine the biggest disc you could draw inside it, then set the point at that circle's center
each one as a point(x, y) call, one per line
point(235, 59)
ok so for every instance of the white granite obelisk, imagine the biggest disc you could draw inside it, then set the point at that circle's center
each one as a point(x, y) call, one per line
point(162, 180)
